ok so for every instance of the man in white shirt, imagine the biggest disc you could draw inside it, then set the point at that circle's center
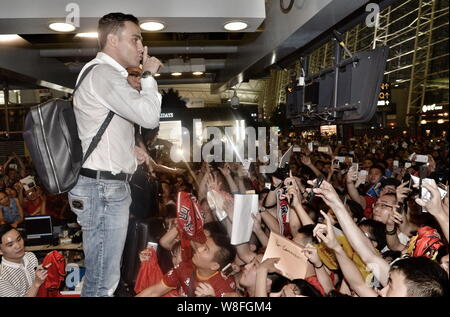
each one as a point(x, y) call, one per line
point(101, 198)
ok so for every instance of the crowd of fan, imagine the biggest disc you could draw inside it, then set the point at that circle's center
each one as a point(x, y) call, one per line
point(382, 237)
point(364, 234)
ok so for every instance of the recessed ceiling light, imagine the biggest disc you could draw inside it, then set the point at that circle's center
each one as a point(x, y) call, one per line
point(88, 35)
point(9, 37)
point(197, 73)
point(157, 75)
point(176, 74)
point(61, 27)
point(235, 26)
point(152, 26)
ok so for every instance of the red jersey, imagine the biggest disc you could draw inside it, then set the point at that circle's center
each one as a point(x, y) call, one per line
point(181, 275)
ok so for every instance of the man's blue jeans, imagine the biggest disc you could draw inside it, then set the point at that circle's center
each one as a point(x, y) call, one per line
point(102, 207)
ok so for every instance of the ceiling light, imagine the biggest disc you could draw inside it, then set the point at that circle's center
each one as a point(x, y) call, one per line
point(152, 26)
point(440, 121)
point(61, 27)
point(423, 122)
point(176, 74)
point(235, 26)
point(9, 37)
point(157, 75)
point(197, 73)
point(396, 85)
point(92, 35)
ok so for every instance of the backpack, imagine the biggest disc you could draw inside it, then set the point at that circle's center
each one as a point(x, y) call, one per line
point(51, 135)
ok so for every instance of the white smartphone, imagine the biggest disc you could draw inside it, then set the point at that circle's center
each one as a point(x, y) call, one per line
point(310, 146)
point(421, 158)
point(341, 159)
point(355, 166)
point(323, 149)
point(296, 149)
point(395, 164)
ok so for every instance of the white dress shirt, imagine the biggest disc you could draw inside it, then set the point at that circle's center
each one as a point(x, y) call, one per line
point(106, 88)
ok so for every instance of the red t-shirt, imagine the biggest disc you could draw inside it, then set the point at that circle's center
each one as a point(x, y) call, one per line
point(180, 277)
point(369, 203)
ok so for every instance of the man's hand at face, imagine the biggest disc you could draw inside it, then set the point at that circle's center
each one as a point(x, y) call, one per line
point(150, 63)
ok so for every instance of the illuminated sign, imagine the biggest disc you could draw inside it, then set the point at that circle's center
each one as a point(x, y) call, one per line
point(432, 107)
point(384, 97)
point(166, 115)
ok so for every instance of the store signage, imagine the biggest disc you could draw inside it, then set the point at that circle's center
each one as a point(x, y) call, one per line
point(166, 115)
point(432, 107)
point(384, 97)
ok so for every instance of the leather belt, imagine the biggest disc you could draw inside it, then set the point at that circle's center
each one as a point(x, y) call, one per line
point(105, 175)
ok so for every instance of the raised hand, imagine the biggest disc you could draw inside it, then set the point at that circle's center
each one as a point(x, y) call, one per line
point(434, 205)
point(325, 233)
point(326, 192)
point(402, 191)
point(306, 160)
point(310, 252)
point(150, 63)
point(269, 265)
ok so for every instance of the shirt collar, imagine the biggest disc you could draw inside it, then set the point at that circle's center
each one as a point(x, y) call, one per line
point(111, 61)
point(15, 265)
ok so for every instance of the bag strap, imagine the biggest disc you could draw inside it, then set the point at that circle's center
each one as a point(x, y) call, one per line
point(83, 76)
point(96, 139)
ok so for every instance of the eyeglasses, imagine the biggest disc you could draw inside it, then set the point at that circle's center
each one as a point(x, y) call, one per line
point(383, 205)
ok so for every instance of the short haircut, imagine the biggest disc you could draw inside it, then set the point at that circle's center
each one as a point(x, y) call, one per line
point(4, 229)
point(112, 23)
point(391, 181)
point(377, 232)
point(226, 252)
point(379, 167)
point(356, 210)
point(423, 277)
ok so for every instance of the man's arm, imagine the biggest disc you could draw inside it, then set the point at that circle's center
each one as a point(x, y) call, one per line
point(169, 238)
point(325, 233)
point(392, 240)
point(156, 290)
point(114, 92)
point(360, 243)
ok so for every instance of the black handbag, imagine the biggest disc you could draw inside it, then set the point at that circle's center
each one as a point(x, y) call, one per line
point(52, 139)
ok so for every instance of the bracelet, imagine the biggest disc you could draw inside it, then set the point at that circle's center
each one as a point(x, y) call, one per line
point(392, 233)
point(316, 267)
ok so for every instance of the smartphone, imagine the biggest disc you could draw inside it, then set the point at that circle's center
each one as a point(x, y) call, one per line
point(296, 149)
point(311, 146)
point(341, 159)
point(323, 149)
point(267, 185)
point(227, 270)
point(408, 165)
point(421, 158)
point(395, 164)
point(317, 184)
point(355, 166)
